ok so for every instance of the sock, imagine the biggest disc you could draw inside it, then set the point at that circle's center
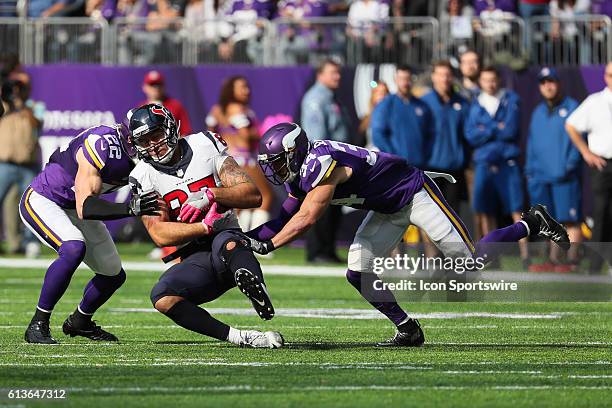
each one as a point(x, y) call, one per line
point(41, 315)
point(194, 318)
point(532, 223)
point(81, 319)
point(392, 310)
point(511, 233)
point(234, 336)
point(60, 272)
point(98, 290)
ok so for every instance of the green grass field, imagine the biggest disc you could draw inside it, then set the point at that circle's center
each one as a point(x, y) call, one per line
point(540, 354)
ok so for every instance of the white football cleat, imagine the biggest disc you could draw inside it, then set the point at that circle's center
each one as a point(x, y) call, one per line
point(257, 339)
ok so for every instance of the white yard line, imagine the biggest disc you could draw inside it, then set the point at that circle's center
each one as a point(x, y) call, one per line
point(360, 314)
point(247, 387)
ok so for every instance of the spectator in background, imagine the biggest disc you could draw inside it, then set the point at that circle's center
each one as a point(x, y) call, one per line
point(367, 28)
point(201, 27)
point(323, 117)
point(155, 90)
point(458, 17)
point(242, 34)
point(136, 45)
point(469, 65)
point(85, 44)
point(570, 45)
point(552, 167)
point(379, 90)
point(402, 124)
point(494, 6)
point(300, 41)
point(236, 122)
point(492, 130)
point(594, 117)
point(449, 153)
point(153, 34)
point(44, 8)
point(18, 149)
point(532, 8)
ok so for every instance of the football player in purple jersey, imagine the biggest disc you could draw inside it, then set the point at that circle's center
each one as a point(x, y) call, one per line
point(62, 208)
point(396, 194)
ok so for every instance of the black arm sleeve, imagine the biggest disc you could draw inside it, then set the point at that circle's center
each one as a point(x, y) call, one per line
point(95, 208)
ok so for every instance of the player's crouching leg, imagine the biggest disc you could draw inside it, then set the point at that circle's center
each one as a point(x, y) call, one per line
point(191, 317)
point(231, 253)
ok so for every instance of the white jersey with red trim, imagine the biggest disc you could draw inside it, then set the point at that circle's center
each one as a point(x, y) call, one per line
point(202, 155)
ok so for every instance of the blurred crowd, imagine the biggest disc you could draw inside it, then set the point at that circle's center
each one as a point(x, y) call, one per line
point(232, 30)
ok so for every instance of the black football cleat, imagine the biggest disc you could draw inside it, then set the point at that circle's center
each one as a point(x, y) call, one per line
point(408, 334)
point(90, 331)
point(256, 291)
point(38, 332)
point(548, 227)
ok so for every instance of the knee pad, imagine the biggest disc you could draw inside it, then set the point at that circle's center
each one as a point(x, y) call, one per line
point(159, 291)
point(360, 257)
point(72, 251)
point(116, 280)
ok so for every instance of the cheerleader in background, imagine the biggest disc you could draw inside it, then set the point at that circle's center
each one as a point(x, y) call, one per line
point(234, 120)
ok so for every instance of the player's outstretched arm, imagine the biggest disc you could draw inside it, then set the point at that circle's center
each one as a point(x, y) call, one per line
point(238, 190)
point(87, 187)
point(266, 231)
point(312, 208)
point(167, 233)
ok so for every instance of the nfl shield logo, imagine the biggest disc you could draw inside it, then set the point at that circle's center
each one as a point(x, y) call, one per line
point(180, 172)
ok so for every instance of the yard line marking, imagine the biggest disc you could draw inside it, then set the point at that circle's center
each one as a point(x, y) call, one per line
point(248, 387)
point(337, 271)
point(589, 376)
point(324, 313)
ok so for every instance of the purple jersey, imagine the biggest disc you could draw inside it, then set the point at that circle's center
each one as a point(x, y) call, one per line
point(380, 182)
point(101, 148)
point(263, 8)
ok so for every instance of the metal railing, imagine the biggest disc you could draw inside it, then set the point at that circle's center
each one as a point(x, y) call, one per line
point(582, 40)
point(143, 41)
point(496, 39)
point(413, 40)
point(394, 40)
point(71, 39)
point(15, 37)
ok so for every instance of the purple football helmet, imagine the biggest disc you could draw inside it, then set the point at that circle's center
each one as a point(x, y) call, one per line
point(282, 150)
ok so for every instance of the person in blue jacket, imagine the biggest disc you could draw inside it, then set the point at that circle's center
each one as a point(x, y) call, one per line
point(402, 123)
point(553, 165)
point(449, 150)
point(492, 130)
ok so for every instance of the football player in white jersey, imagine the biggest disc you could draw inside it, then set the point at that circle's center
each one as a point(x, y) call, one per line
point(196, 178)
